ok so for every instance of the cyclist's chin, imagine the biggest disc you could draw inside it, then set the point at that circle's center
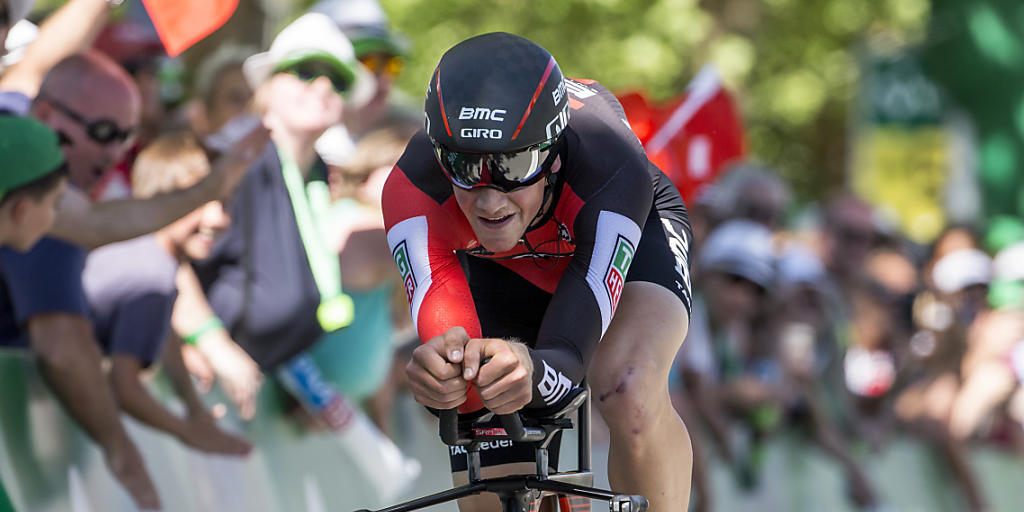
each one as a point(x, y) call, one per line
point(498, 242)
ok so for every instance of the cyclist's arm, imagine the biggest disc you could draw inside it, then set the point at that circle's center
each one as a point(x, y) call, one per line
point(422, 239)
point(607, 231)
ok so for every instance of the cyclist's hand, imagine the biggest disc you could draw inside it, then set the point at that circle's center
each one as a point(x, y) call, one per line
point(435, 371)
point(505, 381)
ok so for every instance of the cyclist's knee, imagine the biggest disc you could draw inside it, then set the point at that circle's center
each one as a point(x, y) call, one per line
point(629, 397)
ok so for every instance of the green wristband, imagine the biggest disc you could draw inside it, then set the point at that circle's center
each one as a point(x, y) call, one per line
point(210, 324)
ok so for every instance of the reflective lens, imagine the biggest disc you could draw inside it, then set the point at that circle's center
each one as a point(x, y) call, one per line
point(382, 63)
point(503, 171)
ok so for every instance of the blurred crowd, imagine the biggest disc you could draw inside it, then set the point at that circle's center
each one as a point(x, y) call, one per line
point(223, 224)
point(821, 319)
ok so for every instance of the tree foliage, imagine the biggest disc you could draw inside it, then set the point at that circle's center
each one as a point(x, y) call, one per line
point(791, 63)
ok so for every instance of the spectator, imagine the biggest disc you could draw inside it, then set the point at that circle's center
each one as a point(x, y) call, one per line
point(382, 52)
point(735, 269)
point(139, 51)
point(274, 280)
point(358, 359)
point(220, 91)
point(849, 234)
point(130, 287)
point(42, 299)
point(753, 192)
point(52, 69)
point(33, 179)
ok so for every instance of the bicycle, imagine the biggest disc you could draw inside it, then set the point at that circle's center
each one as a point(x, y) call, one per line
point(521, 493)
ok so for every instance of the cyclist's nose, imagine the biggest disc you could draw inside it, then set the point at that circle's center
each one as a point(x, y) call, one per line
point(489, 200)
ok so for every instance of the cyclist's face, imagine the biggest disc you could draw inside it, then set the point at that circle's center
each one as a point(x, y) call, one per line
point(499, 219)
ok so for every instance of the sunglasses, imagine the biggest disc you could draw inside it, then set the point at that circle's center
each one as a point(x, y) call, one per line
point(102, 131)
point(310, 70)
point(502, 171)
point(383, 64)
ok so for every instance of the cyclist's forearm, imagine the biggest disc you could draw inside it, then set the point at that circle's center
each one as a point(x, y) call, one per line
point(555, 373)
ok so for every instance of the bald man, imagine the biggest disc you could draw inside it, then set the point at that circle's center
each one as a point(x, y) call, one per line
point(93, 107)
point(37, 83)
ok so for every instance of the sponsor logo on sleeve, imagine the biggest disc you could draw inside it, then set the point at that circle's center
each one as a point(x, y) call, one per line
point(554, 385)
point(401, 255)
point(615, 277)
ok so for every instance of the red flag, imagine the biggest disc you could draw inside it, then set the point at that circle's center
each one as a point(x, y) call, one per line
point(183, 23)
point(693, 137)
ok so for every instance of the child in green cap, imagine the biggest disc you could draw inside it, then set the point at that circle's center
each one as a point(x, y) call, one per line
point(32, 179)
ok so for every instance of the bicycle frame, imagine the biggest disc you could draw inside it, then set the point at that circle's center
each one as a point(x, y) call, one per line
point(522, 493)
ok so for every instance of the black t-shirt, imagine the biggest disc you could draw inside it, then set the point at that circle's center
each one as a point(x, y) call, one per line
point(258, 279)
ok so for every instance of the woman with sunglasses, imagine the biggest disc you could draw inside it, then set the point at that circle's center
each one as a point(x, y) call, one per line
point(274, 281)
point(514, 218)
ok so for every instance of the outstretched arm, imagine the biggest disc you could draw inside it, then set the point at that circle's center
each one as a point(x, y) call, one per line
point(91, 225)
point(70, 30)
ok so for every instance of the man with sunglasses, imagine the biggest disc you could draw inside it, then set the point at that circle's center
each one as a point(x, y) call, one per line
point(528, 225)
point(96, 131)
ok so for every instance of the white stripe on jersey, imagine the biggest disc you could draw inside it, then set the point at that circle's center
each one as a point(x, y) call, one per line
point(408, 242)
point(613, 231)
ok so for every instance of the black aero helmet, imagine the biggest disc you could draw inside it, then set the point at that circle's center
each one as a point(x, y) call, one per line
point(495, 108)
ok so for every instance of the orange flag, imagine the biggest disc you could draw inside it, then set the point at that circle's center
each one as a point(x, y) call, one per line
point(183, 23)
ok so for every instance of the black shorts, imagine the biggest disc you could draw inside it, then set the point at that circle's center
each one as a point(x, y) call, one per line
point(662, 257)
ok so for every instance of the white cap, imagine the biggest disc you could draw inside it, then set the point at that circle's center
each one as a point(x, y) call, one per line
point(799, 265)
point(1009, 263)
point(19, 38)
point(312, 35)
point(743, 248)
point(960, 269)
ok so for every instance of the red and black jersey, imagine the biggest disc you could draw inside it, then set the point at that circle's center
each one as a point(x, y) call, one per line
point(580, 256)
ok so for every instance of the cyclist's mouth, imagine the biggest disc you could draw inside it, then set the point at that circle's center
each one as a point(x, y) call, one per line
point(495, 223)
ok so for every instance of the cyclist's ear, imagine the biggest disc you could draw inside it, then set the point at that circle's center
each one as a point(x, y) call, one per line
point(455, 341)
point(556, 165)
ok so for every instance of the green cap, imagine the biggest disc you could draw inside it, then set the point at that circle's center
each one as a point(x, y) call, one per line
point(28, 151)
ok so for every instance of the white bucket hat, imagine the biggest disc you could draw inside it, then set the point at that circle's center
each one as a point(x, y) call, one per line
point(312, 36)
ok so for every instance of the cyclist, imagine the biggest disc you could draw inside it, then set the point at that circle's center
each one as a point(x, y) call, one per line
point(528, 225)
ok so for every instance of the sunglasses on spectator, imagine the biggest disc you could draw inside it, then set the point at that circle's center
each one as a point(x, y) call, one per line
point(737, 280)
point(102, 131)
point(382, 63)
point(310, 70)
